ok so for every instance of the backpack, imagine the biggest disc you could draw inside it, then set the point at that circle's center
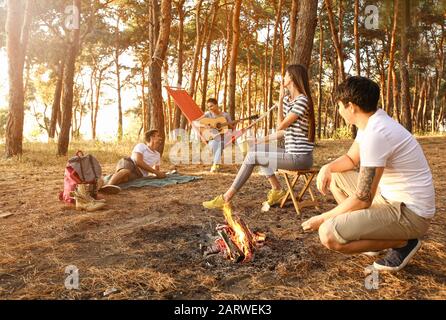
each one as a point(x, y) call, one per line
point(80, 170)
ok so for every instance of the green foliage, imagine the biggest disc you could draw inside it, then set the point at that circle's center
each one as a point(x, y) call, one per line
point(343, 133)
point(3, 119)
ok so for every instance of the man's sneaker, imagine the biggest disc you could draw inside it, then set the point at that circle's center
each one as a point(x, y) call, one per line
point(372, 253)
point(275, 196)
point(215, 168)
point(397, 258)
point(217, 203)
point(110, 189)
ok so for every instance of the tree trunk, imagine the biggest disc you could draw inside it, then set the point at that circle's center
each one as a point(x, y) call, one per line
point(293, 23)
point(208, 54)
point(56, 100)
point(265, 83)
point(271, 65)
point(404, 73)
point(391, 59)
point(67, 98)
point(234, 55)
point(248, 53)
point(396, 110)
point(118, 77)
point(96, 103)
point(306, 28)
point(197, 53)
point(336, 43)
point(228, 56)
point(356, 32)
point(162, 41)
point(319, 97)
point(17, 29)
point(180, 46)
point(143, 96)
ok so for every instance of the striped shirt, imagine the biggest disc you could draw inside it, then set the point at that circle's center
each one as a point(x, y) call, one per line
point(296, 135)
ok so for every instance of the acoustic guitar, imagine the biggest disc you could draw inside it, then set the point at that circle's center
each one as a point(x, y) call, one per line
point(212, 127)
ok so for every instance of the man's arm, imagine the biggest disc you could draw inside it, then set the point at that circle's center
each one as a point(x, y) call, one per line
point(344, 163)
point(347, 161)
point(368, 181)
point(139, 161)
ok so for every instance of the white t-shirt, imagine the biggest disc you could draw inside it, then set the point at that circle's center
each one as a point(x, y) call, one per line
point(150, 157)
point(407, 177)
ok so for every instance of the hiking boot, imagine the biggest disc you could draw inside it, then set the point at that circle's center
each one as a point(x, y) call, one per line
point(215, 168)
point(84, 201)
point(82, 204)
point(110, 189)
point(85, 191)
point(398, 258)
point(275, 196)
point(217, 203)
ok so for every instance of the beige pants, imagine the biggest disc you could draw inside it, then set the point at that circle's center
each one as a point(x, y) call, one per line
point(384, 220)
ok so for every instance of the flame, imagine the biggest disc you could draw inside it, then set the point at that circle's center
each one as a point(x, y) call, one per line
point(240, 237)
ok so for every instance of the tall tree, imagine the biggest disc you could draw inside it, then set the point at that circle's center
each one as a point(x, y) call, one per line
point(180, 48)
point(67, 98)
point(356, 33)
point(55, 113)
point(306, 28)
point(209, 35)
point(159, 55)
point(293, 23)
point(272, 60)
point(336, 41)
point(18, 23)
point(392, 50)
point(234, 55)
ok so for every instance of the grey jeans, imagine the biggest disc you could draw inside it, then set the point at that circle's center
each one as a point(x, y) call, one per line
point(270, 159)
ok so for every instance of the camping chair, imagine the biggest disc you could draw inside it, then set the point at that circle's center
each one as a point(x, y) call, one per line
point(192, 113)
point(187, 106)
point(291, 178)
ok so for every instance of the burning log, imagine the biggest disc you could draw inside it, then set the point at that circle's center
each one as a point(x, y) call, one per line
point(235, 240)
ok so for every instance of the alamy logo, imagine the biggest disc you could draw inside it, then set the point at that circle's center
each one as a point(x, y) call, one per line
point(371, 282)
point(72, 21)
point(72, 281)
point(372, 17)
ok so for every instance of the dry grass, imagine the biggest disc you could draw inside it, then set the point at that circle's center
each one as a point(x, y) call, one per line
point(145, 244)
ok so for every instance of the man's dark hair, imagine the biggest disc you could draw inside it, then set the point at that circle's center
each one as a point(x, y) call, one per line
point(149, 134)
point(361, 91)
point(213, 101)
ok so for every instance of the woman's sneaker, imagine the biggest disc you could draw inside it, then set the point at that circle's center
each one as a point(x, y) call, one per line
point(217, 203)
point(398, 258)
point(274, 197)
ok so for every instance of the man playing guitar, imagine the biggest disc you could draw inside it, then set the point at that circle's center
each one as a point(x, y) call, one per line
point(217, 136)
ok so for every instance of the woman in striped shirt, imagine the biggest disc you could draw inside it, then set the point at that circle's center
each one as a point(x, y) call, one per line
point(297, 124)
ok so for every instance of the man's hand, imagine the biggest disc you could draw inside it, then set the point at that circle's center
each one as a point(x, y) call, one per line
point(313, 223)
point(324, 180)
point(160, 175)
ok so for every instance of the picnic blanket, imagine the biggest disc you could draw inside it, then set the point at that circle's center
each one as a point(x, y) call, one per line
point(171, 179)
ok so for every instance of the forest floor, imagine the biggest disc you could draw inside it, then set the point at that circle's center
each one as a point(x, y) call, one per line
point(146, 243)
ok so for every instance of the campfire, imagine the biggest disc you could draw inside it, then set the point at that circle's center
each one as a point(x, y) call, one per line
point(235, 240)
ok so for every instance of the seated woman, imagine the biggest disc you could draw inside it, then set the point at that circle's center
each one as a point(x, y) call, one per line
point(296, 122)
